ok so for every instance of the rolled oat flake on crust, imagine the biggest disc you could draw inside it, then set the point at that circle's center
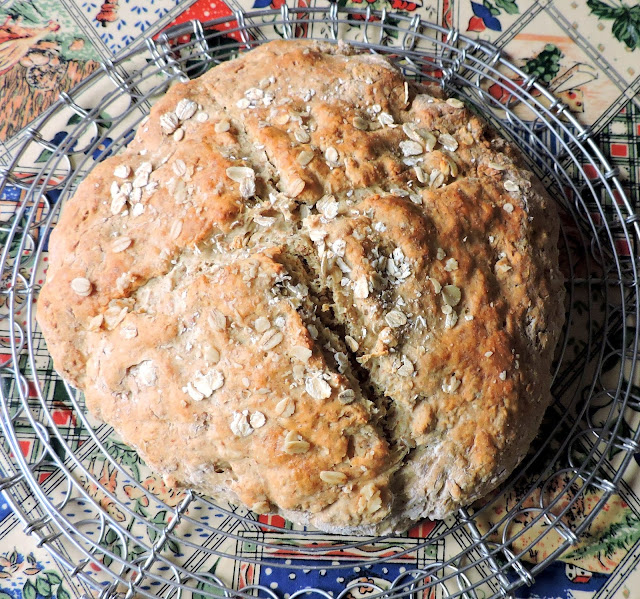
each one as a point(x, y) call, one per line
point(301, 263)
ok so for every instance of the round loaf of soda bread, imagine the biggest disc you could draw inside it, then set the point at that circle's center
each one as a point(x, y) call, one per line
point(314, 288)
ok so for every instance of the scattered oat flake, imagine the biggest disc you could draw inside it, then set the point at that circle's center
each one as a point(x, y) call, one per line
point(169, 122)
point(136, 194)
point(239, 425)
point(451, 264)
point(451, 384)
point(145, 167)
point(222, 126)
point(120, 244)
point(115, 190)
point(257, 420)
point(395, 319)
point(271, 339)
point(448, 142)
point(455, 103)
point(495, 166)
point(185, 109)
point(285, 408)
point(332, 477)
point(193, 392)
point(331, 155)
point(453, 167)
point(178, 134)
point(360, 123)
point(147, 373)
point(451, 320)
point(253, 94)
point(380, 227)
point(436, 178)
point(294, 187)
point(301, 136)
point(301, 353)
point(440, 254)
point(129, 332)
point(305, 157)
point(96, 322)
point(411, 148)
point(430, 140)
point(243, 103)
point(295, 444)
point(176, 229)
point(317, 387)
point(81, 286)
point(508, 207)
point(409, 130)
point(264, 221)
point(247, 187)
point(451, 295)
point(179, 167)
point(117, 204)
point(386, 120)
point(239, 173)
point(202, 117)
point(347, 396)
point(503, 266)
point(114, 315)
point(361, 288)
point(328, 207)
point(511, 185)
point(261, 324)
point(406, 368)
point(141, 179)
point(488, 354)
point(122, 171)
point(503, 375)
point(151, 187)
point(209, 382)
point(317, 235)
point(352, 344)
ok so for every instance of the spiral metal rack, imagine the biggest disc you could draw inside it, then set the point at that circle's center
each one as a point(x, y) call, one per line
point(124, 538)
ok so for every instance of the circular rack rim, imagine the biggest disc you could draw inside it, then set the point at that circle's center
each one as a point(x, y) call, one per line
point(458, 55)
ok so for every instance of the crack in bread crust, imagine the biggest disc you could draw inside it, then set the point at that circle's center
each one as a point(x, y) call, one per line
point(329, 300)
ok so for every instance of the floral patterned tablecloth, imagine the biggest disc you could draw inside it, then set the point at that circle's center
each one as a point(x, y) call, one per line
point(586, 51)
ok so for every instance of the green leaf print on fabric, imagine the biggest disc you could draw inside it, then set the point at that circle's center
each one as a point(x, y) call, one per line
point(626, 20)
point(43, 587)
point(29, 590)
point(509, 6)
point(620, 535)
point(208, 589)
point(546, 65)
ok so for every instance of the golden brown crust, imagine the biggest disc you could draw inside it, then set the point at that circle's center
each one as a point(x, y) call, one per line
point(329, 294)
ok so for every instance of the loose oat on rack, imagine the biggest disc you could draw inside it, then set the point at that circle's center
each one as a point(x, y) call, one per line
point(314, 288)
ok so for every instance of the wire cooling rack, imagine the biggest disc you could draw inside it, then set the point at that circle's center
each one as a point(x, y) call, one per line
point(93, 504)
